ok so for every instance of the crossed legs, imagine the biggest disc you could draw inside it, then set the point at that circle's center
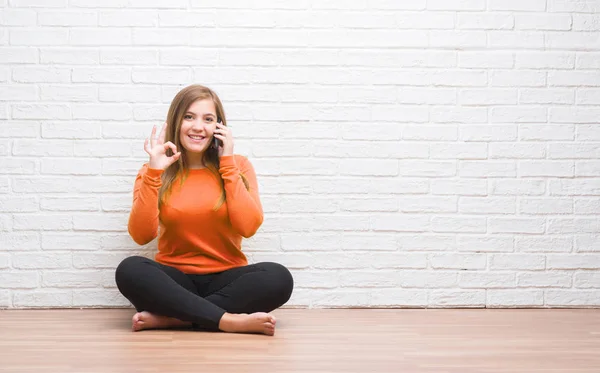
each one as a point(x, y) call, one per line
point(236, 300)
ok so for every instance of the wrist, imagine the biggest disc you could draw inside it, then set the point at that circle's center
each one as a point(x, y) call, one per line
point(155, 166)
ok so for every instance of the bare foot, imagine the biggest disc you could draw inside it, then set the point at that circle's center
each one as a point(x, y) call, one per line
point(146, 320)
point(258, 322)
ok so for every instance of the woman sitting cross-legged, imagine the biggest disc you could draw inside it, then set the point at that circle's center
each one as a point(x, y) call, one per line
point(200, 200)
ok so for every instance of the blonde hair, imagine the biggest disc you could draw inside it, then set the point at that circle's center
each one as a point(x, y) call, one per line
point(179, 106)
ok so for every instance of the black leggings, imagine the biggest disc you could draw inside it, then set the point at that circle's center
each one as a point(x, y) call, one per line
point(203, 299)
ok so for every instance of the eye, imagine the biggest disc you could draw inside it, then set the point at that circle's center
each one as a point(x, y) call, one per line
point(187, 117)
point(209, 119)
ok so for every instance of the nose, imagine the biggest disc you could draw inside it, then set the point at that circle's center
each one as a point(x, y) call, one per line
point(198, 125)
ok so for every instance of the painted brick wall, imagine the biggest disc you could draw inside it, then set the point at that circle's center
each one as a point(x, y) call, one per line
point(417, 153)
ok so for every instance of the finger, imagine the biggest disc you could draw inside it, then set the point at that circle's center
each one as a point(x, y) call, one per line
point(161, 136)
point(170, 145)
point(175, 157)
point(172, 159)
point(153, 137)
point(147, 146)
point(221, 138)
point(223, 132)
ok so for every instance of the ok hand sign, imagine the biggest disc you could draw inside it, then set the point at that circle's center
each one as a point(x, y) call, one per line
point(157, 149)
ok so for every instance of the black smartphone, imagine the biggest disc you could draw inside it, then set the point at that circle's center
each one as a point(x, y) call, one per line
point(217, 142)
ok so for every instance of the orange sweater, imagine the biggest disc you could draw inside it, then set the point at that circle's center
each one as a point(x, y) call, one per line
point(193, 237)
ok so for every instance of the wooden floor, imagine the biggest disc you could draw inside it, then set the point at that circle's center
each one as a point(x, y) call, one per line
point(313, 341)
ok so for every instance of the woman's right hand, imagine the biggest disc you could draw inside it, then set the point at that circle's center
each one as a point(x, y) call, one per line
point(157, 150)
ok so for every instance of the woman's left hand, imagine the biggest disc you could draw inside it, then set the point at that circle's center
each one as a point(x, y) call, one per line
point(223, 133)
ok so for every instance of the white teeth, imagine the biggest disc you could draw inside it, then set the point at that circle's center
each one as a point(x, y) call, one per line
point(197, 137)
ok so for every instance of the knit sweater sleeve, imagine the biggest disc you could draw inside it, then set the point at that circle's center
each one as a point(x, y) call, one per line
point(143, 218)
point(243, 201)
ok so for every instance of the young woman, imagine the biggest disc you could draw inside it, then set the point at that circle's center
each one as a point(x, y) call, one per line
point(200, 200)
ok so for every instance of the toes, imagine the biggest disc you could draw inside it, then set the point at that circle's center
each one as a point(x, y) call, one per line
point(139, 325)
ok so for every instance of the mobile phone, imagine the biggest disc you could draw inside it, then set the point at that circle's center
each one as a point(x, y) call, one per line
point(217, 142)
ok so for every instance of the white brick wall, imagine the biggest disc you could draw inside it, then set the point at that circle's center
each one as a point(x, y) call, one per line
point(412, 153)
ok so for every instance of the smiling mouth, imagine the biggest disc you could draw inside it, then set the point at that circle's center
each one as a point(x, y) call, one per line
point(196, 138)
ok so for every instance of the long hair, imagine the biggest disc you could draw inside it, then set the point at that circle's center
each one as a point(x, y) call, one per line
point(179, 106)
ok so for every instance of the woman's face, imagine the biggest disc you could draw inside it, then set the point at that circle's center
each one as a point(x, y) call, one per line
point(198, 125)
